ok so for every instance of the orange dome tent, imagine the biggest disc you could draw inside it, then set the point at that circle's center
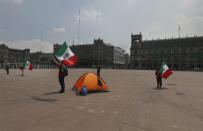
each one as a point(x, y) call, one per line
point(91, 82)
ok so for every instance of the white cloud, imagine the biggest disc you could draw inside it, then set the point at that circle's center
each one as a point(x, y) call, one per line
point(34, 45)
point(187, 1)
point(76, 41)
point(1, 30)
point(131, 2)
point(155, 26)
point(190, 4)
point(181, 19)
point(61, 29)
point(185, 20)
point(190, 25)
point(89, 15)
point(153, 31)
point(17, 1)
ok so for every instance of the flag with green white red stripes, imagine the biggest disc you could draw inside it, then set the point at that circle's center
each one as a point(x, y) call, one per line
point(166, 72)
point(27, 65)
point(66, 56)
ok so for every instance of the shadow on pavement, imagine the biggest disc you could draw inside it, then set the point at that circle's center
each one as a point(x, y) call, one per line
point(21, 75)
point(163, 88)
point(180, 93)
point(97, 91)
point(43, 99)
point(51, 93)
point(171, 84)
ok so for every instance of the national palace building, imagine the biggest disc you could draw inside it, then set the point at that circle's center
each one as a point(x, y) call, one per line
point(12, 56)
point(179, 53)
point(89, 55)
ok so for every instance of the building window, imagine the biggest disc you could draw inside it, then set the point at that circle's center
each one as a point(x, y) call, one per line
point(195, 49)
point(180, 51)
point(187, 50)
point(171, 51)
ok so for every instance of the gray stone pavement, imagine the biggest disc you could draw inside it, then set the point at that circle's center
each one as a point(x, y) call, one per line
point(30, 103)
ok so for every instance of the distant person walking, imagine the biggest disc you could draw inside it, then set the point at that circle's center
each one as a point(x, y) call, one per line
point(61, 75)
point(7, 68)
point(158, 78)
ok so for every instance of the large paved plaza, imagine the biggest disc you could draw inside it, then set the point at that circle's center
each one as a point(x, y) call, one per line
point(30, 103)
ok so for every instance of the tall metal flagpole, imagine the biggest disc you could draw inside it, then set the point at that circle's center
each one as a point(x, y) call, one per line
point(179, 30)
point(42, 38)
point(79, 28)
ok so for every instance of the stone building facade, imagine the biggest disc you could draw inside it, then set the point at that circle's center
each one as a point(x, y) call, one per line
point(56, 47)
point(14, 57)
point(119, 57)
point(84, 54)
point(97, 53)
point(178, 53)
point(103, 53)
point(42, 60)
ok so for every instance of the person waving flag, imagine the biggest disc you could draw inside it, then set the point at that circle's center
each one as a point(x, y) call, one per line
point(166, 72)
point(66, 56)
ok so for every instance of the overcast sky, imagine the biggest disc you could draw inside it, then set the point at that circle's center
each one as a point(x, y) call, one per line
point(38, 24)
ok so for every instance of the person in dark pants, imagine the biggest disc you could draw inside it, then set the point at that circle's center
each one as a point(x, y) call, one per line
point(7, 68)
point(22, 70)
point(98, 74)
point(158, 78)
point(61, 75)
point(98, 71)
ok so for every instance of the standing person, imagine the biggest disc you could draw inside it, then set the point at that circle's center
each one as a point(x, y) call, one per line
point(61, 75)
point(158, 78)
point(7, 68)
point(98, 74)
point(22, 70)
point(98, 71)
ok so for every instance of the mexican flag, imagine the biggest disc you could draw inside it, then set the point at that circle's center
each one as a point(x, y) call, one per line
point(66, 56)
point(27, 65)
point(166, 72)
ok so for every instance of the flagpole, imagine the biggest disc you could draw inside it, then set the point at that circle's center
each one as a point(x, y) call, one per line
point(42, 35)
point(179, 30)
point(79, 28)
